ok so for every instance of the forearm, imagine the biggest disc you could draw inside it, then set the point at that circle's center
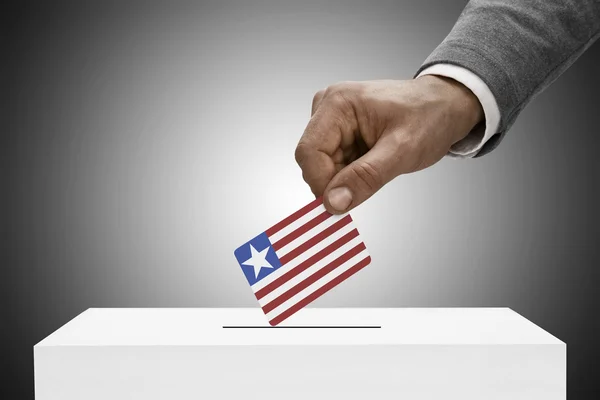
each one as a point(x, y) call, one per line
point(518, 47)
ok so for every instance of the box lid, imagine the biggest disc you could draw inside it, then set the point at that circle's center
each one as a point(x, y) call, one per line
point(311, 326)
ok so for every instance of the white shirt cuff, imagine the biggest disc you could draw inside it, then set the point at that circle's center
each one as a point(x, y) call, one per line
point(470, 145)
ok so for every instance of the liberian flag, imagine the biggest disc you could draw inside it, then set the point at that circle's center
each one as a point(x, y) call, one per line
point(301, 258)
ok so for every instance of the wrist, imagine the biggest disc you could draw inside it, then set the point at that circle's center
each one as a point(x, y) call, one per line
point(459, 101)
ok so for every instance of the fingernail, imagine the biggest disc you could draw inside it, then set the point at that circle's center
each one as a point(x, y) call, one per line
point(340, 198)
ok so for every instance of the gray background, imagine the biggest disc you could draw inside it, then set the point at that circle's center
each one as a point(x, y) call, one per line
point(142, 143)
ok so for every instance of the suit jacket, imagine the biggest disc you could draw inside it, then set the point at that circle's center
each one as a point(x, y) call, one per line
point(518, 48)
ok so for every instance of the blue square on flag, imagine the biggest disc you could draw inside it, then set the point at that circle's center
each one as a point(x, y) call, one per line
point(299, 259)
point(257, 258)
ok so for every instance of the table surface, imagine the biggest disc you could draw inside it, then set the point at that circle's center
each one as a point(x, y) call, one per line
point(311, 326)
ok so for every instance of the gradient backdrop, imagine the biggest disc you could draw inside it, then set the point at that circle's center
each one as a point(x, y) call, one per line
point(143, 142)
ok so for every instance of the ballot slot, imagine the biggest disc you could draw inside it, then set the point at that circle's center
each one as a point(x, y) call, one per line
point(302, 327)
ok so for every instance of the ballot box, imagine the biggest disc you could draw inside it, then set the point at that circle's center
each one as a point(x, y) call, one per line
point(339, 353)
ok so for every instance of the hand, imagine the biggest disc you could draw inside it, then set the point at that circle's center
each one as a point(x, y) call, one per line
point(364, 134)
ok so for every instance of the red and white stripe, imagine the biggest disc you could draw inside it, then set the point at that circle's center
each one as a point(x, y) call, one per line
point(317, 251)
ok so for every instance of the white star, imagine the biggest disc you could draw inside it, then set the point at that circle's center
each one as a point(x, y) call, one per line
point(258, 260)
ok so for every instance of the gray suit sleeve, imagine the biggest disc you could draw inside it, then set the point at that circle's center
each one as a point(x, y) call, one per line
point(518, 48)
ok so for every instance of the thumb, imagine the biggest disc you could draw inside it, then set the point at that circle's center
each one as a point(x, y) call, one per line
point(359, 180)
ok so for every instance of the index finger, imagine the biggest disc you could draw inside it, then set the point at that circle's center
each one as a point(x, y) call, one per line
point(319, 152)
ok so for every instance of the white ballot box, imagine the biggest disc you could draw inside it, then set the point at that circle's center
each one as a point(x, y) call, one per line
point(344, 353)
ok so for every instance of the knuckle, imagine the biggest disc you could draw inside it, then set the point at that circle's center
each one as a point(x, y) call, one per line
point(341, 96)
point(335, 88)
point(342, 86)
point(340, 100)
point(337, 99)
point(339, 88)
point(318, 96)
point(300, 153)
point(368, 175)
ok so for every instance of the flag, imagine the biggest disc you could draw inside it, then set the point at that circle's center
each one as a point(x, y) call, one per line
point(299, 259)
